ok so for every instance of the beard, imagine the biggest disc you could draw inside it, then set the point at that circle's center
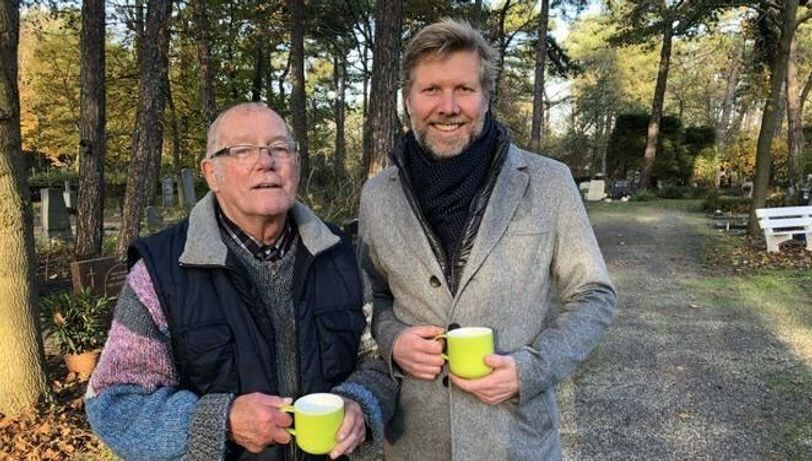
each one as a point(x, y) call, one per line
point(440, 149)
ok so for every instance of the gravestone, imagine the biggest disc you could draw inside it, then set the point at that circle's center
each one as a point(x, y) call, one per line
point(55, 218)
point(747, 189)
point(168, 191)
point(596, 192)
point(69, 196)
point(102, 276)
point(620, 189)
point(186, 191)
point(154, 217)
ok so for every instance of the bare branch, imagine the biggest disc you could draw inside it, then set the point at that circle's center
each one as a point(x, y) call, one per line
point(804, 18)
point(777, 5)
point(806, 90)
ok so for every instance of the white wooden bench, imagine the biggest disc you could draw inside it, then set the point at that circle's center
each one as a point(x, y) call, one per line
point(780, 224)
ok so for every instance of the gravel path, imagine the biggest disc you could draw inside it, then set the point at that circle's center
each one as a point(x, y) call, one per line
point(674, 380)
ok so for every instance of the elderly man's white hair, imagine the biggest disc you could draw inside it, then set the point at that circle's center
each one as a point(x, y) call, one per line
point(213, 135)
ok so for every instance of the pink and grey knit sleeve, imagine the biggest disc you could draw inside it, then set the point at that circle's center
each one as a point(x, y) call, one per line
point(132, 399)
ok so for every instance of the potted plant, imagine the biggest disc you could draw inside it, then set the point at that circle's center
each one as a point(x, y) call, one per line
point(77, 324)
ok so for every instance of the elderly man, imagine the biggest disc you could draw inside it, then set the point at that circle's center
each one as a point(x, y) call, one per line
point(228, 315)
point(466, 229)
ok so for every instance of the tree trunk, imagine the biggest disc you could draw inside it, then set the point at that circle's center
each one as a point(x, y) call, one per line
point(476, 14)
point(156, 155)
point(742, 114)
point(269, 96)
point(298, 101)
point(537, 130)
point(500, 37)
point(148, 136)
point(604, 146)
point(339, 79)
point(653, 134)
point(230, 69)
point(138, 24)
point(204, 55)
point(365, 100)
point(90, 216)
point(21, 371)
point(383, 94)
point(729, 100)
point(770, 118)
point(174, 128)
point(259, 70)
point(281, 82)
point(795, 127)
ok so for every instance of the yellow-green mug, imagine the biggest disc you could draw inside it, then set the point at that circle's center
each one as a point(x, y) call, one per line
point(316, 419)
point(466, 351)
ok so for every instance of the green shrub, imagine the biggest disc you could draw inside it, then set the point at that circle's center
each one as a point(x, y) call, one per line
point(725, 203)
point(77, 322)
point(53, 178)
point(644, 196)
point(674, 191)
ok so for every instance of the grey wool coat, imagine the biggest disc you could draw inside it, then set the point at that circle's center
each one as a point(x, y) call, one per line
point(534, 245)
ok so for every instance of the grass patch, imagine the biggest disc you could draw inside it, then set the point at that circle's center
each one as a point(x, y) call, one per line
point(787, 385)
point(717, 248)
point(799, 441)
point(689, 205)
point(771, 294)
point(782, 299)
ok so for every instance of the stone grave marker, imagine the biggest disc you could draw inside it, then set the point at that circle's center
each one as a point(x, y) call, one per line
point(596, 190)
point(747, 189)
point(102, 276)
point(168, 191)
point(69, 196)
point(620, 189)
point(154, 217)
point(55, 218)
point(187, 188)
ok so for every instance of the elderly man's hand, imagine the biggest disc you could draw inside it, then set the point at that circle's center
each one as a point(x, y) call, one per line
point(255, 421)
point(418, 353)
point(500, 385)
point(353, 430)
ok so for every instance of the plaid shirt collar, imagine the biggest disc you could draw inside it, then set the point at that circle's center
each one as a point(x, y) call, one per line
point(259, 250)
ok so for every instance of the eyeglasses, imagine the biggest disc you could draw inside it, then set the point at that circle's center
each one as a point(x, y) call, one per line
point(250, 153)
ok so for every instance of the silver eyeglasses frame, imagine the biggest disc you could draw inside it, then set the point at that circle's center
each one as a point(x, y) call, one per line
point(250, 153)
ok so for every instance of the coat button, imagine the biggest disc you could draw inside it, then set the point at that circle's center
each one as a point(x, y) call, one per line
point(434, 281)
point(445, 380)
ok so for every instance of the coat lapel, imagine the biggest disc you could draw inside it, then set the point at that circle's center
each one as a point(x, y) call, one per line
point(405, 220)
point(505, 197)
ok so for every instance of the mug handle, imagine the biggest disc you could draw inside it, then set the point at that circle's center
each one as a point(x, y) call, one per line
point(439, 337)
point(289, 409)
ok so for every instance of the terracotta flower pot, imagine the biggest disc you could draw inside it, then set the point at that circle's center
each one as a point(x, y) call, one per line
point(81, 364)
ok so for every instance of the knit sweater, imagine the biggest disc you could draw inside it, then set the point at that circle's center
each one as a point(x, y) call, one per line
point(275, 282)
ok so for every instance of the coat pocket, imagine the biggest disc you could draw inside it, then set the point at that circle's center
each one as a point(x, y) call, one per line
point(540, 415)
point(339, 337)
point(208, 353)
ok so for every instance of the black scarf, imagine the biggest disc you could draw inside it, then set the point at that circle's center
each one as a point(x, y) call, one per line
point(445, 187)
